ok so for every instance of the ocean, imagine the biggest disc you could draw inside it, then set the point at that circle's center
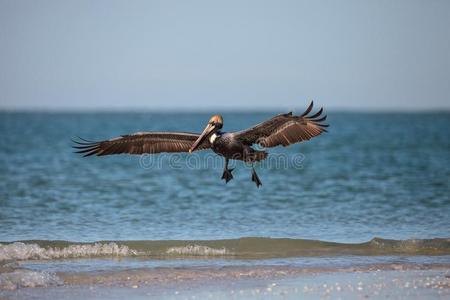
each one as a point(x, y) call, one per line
point(375, 187)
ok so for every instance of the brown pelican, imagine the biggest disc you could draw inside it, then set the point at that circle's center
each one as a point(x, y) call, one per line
point(283, 129)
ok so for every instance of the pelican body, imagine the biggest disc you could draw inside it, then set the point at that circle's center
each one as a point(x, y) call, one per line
point(283, 129)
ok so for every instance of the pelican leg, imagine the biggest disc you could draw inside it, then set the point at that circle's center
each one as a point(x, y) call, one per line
point(227, 176)
point(255, 178)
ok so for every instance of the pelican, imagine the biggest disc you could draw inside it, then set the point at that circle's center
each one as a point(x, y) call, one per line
point(283, 129)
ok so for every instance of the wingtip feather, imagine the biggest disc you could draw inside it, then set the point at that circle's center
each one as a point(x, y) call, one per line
point(320, 120)
point(308, 110)
point(318, 113)
point(85, 140)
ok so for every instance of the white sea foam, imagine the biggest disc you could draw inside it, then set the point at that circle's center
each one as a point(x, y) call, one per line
point(22, 251)
point(27, 278)
point(197, 250)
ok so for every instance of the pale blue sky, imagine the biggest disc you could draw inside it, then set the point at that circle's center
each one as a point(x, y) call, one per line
point(224, 54)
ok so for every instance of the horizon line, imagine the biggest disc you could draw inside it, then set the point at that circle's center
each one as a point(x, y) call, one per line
point(222, 109)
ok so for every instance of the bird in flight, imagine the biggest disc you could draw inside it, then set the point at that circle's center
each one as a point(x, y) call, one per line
point(283, 129)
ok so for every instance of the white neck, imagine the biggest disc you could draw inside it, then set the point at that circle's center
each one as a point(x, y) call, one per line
point(213, 137)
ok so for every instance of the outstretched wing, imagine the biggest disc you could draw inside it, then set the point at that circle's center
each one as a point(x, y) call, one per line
point(141, 142)
point(285, 129)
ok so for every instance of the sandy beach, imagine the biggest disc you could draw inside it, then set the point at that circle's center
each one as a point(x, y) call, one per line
point(393, 281)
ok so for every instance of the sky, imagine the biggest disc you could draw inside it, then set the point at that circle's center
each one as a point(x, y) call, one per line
point(234, 55)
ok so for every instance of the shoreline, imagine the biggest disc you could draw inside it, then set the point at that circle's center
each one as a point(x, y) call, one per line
point(146, 276)
point(396, 280)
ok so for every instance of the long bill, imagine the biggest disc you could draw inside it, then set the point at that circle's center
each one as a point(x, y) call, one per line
point(208, 129)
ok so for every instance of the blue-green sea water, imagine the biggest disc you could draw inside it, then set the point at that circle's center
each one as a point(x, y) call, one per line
point(372, 193)
point(381, 175)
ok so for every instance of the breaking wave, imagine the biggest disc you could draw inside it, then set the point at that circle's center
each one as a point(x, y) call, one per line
point(197, 250)
point(27, 251)
point(250, 247)
point(27, 278)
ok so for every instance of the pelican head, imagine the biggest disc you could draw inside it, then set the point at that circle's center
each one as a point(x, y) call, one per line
point(214, 125)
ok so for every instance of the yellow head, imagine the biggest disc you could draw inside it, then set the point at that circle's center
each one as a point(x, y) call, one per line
point(216, 120)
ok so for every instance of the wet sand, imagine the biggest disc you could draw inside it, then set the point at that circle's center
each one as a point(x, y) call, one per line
point(393, 281)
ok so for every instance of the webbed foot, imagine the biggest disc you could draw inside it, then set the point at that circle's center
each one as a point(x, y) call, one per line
point(255, 178)
point(227, 176)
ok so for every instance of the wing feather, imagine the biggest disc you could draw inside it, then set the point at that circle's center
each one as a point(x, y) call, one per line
point(139, 143)
point(285, 129)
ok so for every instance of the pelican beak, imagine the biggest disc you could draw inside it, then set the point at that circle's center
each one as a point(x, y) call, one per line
point(208, 129)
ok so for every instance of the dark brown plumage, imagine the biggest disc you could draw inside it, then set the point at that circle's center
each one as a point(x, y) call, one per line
point(284, 129)
point(140, 143)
